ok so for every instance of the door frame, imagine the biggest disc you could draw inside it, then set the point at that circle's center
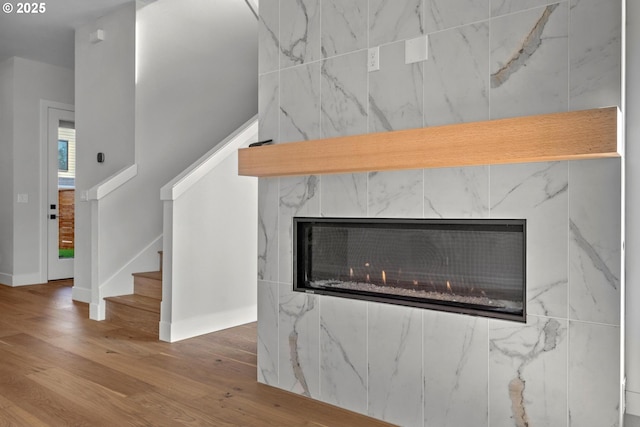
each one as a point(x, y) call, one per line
point(44, 182)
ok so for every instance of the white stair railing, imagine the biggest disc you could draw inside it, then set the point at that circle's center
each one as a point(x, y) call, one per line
point(97, 196)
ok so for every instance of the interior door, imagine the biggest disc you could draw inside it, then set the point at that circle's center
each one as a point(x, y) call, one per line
point(61, 193)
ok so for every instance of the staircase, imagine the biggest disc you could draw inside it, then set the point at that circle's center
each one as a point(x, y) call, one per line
point(139, 311)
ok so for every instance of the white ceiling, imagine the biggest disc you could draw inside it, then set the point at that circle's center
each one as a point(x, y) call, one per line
point(49, 37)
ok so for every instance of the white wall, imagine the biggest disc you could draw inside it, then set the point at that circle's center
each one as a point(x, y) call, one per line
point(214, 279)
point(32, 82)
point(195, 84)
point(197, 63)
point(197, 78)
point(105, 103)
point(633, 208)
point(209, 228)
point(6, 171)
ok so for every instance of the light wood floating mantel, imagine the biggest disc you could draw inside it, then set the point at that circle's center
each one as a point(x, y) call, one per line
point(548, 137)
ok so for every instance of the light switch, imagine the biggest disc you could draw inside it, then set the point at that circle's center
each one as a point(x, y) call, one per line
point(416, 50)
point(23, 198)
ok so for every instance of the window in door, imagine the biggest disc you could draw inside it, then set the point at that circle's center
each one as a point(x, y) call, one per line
point(66, 188)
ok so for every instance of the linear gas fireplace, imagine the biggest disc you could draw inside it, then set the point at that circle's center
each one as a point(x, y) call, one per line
point(473, 266)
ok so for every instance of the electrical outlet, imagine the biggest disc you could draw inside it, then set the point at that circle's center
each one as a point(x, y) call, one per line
point(624, 395)
point(23, 198)
point(373, 59)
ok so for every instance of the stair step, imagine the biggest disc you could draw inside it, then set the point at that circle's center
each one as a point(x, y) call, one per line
point(136, 312)
point(139, 302)
point(148, 284)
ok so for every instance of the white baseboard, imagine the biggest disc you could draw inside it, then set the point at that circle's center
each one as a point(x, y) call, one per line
point(81, 294)
point(5, 279)
point(98, 311)
point(633, 403)
point(193, 327)
point(165, 331)
point(23, 279)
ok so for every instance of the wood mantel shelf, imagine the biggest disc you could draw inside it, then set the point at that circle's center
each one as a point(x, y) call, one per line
point(571, 135)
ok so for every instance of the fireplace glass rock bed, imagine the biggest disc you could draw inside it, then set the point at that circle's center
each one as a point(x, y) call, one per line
point(473, 266)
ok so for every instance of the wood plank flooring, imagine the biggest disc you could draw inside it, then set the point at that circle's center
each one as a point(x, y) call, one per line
point(58, 368)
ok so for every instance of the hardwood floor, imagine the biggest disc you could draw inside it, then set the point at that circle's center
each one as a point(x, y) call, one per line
point(58, 368)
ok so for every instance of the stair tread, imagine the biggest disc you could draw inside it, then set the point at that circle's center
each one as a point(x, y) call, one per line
point(137, 301)
point(150, 274)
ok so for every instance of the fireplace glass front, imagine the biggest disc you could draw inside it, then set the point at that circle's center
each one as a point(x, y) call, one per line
point(475, 267)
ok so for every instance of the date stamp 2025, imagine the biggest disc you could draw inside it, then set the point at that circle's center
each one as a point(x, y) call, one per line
point(24, 8)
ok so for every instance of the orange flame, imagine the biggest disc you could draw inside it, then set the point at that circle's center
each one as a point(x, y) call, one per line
point(384, 277)
point(449, 286)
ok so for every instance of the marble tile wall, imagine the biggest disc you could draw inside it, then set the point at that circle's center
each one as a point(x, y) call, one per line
point(487, 59)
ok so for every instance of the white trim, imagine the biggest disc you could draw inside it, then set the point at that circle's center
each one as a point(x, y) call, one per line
point(81, 294)
point(123, 277)
point(102, 189)
point(142, 261)
point(97, 307)
point(6, 279)
point(165, 331)
point(201, 325)
point(44, 181)
point(166, 314)
point(633, 403)
point(97, 311)
point(621, 133)
point(26, 279)
point(240, 138)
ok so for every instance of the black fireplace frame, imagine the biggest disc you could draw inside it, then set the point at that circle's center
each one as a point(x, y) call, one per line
point(515, 225)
